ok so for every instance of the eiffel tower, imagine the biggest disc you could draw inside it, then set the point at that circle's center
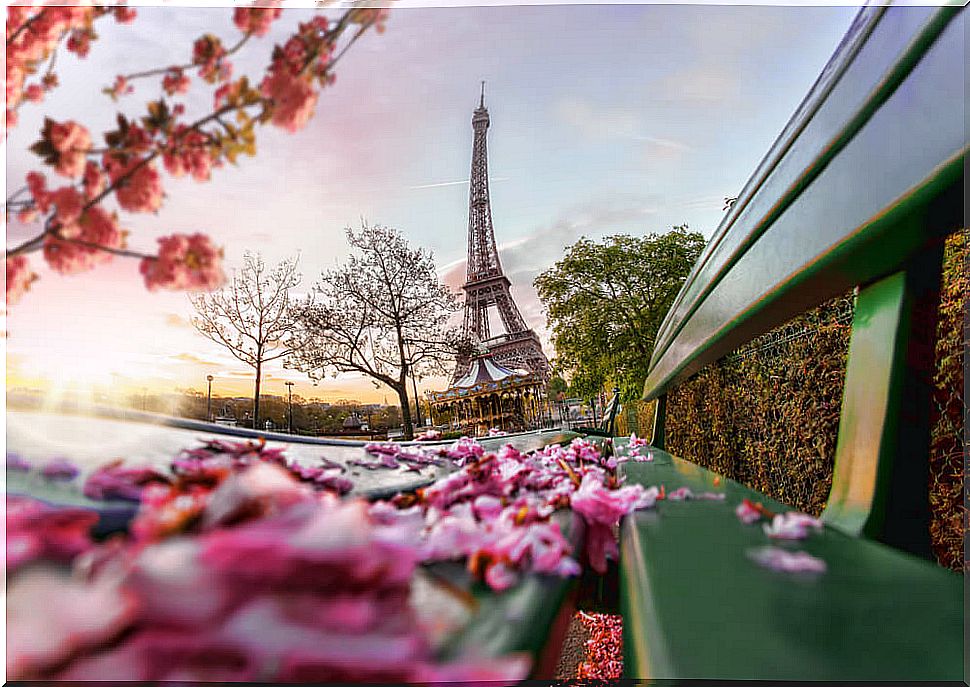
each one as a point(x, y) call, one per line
point(485, 283)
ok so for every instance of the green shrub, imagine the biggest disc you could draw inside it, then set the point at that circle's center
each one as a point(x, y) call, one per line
point(768, 414)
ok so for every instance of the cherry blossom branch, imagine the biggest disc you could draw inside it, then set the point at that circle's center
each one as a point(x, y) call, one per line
point(28, 246)
point(159, 71)
point(26, 25)
point(123, 252)
point(34, 243)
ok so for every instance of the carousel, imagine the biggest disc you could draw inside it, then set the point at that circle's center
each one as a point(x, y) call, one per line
point(490, 396)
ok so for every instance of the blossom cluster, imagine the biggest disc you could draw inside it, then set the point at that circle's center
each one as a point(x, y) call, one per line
point(495, 510)
point(36, 531)
point(242, 565)
point(33, 33)
point(305, 588)
point(77, 232)
point(233, 570)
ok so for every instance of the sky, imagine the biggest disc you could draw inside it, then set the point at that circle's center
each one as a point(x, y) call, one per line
point(605, 119)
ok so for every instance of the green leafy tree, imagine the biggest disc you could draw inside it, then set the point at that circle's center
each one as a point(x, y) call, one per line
point(605, 302)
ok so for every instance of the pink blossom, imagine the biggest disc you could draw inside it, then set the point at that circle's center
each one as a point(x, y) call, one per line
point(19, 279)
point(681, 494)
point(116, 481)
point(37, 185)
point(79, 42)
point(464, 450)
point(71, 141)
point(208, 54)
point(542, 545)
point(125, 15)
point(184, 262)
point(34, 93)
point(96, 228)
point(453, 536)
point(325, 478)
point(175, 589)
point(256, 491)
point(747, 513)
point(15, 461)
point(36, 530)
point(602, 509)
point(60, 469)
point(596, 503)
point(500, 577)
point(139, 184)
point(120, 87)
point(94, 180)
point(51, 616)
point(429, 435)
point(175, 82)
point(637, 442)
point(189, 153)
point(487, 507)
point(294, 99)
point(255, 20)
point(68, 204)
point(792, 525)
point(783, 560)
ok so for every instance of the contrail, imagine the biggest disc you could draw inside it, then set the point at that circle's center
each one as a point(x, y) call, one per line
point(452, 183)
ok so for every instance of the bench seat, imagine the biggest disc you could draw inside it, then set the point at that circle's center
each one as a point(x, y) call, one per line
point(696, 607)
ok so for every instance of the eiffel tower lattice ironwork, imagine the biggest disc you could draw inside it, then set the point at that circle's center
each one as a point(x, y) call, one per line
point(486, 286)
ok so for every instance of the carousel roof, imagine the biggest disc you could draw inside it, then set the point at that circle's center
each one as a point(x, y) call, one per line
point(484, 370)
point(485, 376)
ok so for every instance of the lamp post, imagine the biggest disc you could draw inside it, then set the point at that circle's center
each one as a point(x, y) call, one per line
point(290, 403)
point(417, 401)
point(208, 400)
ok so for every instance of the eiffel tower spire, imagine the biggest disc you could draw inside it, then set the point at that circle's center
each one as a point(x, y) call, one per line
point(486, 285)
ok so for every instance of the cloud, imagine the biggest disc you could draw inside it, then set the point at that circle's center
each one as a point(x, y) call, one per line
point(175, 320)
point(599, 124)
point(195, 359)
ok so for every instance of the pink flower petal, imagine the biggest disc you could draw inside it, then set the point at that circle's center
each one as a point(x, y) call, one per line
point(782, 560)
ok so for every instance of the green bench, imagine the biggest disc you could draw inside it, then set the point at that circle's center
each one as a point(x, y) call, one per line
point(859, 191)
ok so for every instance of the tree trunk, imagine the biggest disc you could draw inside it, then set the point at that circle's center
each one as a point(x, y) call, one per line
point(259, 371)
point(402, 395)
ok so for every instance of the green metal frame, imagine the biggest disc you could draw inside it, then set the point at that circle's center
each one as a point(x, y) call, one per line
point(879, 489)
point(801, 233)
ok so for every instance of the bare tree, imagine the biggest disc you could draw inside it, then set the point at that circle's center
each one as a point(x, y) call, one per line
point(252, 315)
point(384, 313)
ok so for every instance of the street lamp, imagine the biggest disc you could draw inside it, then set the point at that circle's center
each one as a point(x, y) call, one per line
point(208, 401)
point(290, 388)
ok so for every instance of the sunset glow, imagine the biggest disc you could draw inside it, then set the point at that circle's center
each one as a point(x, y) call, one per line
point(647, 122)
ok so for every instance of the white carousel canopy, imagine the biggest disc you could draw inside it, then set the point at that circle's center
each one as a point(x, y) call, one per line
point(483, 370)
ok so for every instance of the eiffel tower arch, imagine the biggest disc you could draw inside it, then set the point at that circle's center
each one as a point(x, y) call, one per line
point(486, 285)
